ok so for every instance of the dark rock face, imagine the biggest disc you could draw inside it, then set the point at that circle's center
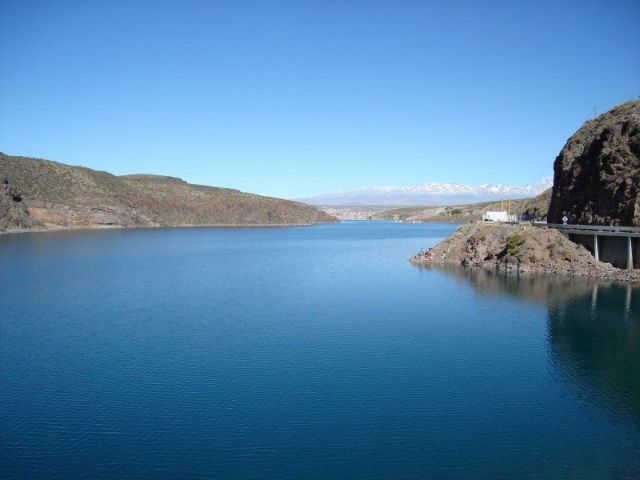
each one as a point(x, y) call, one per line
point(13, 212)
point(597, 173)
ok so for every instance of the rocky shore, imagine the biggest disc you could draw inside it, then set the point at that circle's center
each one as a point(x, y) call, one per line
point(520, 249)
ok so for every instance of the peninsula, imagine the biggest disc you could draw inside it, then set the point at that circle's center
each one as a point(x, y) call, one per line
point(596, 182)
point(45, 195)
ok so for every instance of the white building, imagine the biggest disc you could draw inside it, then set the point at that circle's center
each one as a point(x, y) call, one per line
point(495, 217)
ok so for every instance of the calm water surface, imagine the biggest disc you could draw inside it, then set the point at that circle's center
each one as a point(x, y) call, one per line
point(315, 352)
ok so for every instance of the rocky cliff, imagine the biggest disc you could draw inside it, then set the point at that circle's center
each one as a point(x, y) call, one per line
point(597, 173)
point(14, 214)
point(54, 195)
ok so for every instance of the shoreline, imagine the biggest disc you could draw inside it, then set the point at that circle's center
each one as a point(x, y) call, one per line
point(157, 227)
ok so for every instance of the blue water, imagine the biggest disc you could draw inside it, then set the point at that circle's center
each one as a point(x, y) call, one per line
point(311, 352)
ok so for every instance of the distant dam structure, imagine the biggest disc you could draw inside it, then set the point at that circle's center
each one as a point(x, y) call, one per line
point(619, 246)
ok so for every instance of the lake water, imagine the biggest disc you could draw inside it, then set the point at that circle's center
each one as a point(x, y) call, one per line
point(302, 353)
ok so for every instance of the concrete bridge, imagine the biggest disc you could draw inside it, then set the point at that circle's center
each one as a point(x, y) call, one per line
point(619, 246)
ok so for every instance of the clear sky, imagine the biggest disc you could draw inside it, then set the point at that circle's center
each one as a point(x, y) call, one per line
point(296, 98)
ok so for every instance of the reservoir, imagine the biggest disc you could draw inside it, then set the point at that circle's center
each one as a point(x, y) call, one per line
point(306, 353)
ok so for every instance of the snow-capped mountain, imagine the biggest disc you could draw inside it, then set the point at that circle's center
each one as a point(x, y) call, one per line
point(429, 194)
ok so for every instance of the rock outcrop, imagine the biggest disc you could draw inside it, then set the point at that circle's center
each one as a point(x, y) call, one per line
point(14, 214)
point(597, 173)
point(62, 196)
point(519, 249)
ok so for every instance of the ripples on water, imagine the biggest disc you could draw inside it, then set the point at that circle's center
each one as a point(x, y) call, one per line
point(313, 352)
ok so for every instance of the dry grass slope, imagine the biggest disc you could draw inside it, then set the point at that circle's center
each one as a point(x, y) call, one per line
point(63, 196)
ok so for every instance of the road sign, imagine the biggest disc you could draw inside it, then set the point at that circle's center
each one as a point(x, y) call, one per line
point(564, 220)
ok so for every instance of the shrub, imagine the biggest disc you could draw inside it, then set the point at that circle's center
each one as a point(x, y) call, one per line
point(514, 242)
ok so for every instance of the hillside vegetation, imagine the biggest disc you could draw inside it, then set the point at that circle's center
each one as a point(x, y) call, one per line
point(62, 196)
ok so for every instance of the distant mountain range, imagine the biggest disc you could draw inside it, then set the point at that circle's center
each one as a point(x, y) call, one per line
point(431, 194)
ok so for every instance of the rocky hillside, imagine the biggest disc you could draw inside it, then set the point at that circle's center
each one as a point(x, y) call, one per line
point(519, 248)
point(14, 214)
point(534, 207)
point(54, 195)
point(597, 173)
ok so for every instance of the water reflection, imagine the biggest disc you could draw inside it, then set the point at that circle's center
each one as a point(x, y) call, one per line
point(593, 331)
point(595, 342)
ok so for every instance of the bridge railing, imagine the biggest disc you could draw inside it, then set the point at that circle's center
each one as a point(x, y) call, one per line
point(593, 229)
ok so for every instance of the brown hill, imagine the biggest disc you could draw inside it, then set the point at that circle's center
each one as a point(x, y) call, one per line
point(62, 196)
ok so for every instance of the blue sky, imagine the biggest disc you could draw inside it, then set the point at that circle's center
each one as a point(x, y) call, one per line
point(296, 98)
